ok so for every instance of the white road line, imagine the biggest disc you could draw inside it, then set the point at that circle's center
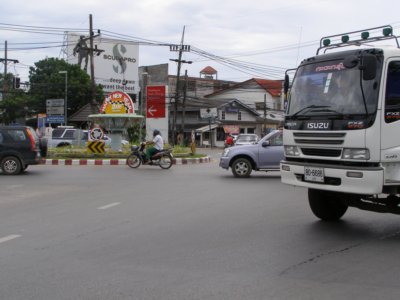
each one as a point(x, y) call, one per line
point(9, 238)
point(109, 205)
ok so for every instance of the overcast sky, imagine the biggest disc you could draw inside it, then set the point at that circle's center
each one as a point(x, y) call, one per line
point(271, 35)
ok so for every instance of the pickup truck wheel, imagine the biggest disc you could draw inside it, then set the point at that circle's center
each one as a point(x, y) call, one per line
point(11, 165)
point(326, 205)
point(241, 167)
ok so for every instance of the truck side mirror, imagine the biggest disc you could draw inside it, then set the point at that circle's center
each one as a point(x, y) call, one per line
point(351, 61)
point(286, 84)
point(265, 143)
point(368, 67)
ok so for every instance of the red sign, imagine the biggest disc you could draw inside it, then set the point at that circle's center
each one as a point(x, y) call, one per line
point(155, 101)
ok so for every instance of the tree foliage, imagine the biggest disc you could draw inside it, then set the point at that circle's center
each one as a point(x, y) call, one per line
point(13, 105)
point(47, 83)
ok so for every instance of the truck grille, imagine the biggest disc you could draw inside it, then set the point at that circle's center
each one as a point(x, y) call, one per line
point(322, 152)
point(317, 139)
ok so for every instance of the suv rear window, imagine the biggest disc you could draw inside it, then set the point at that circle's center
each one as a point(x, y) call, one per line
point(16, 135)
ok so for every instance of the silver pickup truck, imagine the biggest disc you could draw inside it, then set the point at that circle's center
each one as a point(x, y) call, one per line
point(66, 136)
point(264, 155)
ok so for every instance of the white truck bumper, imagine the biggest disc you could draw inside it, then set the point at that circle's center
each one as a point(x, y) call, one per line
point(365, 181)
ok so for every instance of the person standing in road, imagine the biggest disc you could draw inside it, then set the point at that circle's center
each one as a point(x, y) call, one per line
point(229, 140)
point(157, 144)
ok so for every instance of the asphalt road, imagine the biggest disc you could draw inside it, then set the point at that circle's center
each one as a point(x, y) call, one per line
point(191, 232)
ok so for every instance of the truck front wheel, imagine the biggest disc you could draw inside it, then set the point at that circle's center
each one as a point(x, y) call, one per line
point(326, 205)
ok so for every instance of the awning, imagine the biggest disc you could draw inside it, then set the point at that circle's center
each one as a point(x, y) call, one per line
point(207, 128)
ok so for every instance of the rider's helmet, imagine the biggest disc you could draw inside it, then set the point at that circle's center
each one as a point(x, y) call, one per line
point(156, 132)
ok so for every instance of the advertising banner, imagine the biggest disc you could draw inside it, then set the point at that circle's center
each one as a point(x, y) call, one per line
point(116, 61)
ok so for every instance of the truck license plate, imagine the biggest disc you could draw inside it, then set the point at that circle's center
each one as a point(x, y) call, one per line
point(313, 174)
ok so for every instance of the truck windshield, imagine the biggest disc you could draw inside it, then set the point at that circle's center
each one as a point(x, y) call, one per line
point(328, 88)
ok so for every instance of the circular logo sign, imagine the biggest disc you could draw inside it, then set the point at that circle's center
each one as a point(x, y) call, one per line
point(117, 103)
point(96, 134)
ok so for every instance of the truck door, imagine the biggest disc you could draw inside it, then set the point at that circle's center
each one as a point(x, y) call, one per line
point(390, 137)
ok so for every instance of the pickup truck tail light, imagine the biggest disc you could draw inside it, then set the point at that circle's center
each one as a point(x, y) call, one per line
point(32, 139)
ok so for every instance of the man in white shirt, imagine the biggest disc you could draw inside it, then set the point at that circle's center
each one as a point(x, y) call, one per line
point(157, 144)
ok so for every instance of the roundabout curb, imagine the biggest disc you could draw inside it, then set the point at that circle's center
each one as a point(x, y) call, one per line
point(115, 162)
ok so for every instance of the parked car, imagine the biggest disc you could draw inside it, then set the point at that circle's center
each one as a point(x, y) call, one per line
point(246, 139)
point(66, 136)
point(106, 139)
point(264, 155)
point(20, 147)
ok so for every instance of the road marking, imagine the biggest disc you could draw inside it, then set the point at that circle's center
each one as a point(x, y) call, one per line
point(9, 238)
point(109, 205)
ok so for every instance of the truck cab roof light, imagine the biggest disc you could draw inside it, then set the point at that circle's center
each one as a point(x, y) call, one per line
point(326, 42)
point(365, 35)
point(358, 38)
point(345, 38)
point(387, 31)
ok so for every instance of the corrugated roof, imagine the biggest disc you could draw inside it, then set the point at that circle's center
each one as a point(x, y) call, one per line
point(274, 87)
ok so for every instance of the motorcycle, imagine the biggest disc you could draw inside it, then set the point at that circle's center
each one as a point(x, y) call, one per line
point(138, 157)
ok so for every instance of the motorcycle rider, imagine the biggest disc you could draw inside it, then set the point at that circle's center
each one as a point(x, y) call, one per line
point(157, 145)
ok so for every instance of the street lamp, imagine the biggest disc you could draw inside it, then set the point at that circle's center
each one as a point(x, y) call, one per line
point(66, 97)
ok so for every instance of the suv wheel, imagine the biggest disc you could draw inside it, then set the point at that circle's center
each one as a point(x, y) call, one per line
point(241, 167)
point(11, 165)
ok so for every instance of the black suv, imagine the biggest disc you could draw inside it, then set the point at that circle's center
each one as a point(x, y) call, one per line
point(20, 147)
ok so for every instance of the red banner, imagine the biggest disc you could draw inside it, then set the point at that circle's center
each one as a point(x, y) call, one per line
point(232, 129)
point(155, 102)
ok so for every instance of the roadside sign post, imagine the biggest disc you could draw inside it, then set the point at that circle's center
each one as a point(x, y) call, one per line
point(55, 111)
point(209, 113)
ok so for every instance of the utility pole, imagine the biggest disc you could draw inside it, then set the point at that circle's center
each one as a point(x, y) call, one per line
point(184, 105)
point(265, 115)
point(179, 48)
point(143, 94)
point(6, 60)
point(92, 50)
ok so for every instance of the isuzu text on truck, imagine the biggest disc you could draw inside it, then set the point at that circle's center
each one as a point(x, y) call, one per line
point(342, 126)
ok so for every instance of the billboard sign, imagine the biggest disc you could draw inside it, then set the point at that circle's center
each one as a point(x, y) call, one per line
point(155, 102)
point(116, 61)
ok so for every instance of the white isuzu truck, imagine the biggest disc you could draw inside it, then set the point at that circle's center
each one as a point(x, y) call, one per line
point(342, 125)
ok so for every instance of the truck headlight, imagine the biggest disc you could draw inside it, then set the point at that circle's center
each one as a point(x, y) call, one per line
point(361, 154)
point(292, 151)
